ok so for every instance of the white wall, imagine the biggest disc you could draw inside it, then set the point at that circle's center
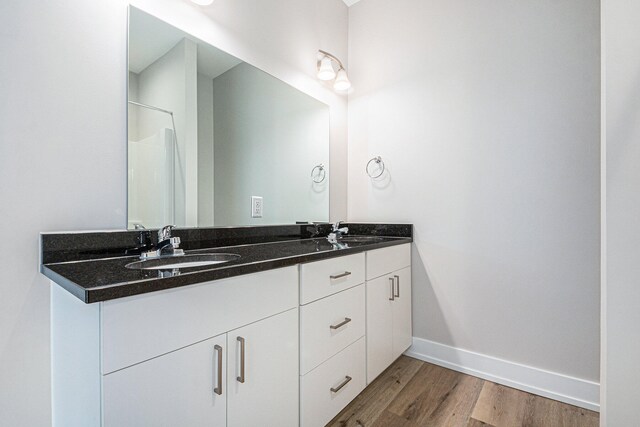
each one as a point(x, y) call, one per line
point(621, 202)
point(486, 114)
point(205, 152)
point(63, 138)
point(268, 137)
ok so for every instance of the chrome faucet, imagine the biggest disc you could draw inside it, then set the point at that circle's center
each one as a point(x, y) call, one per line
point(167, 245)
point(165, 233)
point(336, 228)
point(314, 229)
point(337, 232)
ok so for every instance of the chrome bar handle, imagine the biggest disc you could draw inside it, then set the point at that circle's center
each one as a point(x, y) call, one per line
point(241, 377)
point(341, 324)
point(397, 286)
point(344, 383)
point(339, 276)
point(393, 294)
point(218, 389)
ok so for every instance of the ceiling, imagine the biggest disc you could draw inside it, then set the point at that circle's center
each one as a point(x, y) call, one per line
point(350, 2)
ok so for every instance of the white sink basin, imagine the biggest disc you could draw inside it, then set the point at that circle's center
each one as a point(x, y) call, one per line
point(359, 239)
point(183, 261)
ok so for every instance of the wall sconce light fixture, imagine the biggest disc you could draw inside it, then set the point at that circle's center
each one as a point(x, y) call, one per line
point(327, 72)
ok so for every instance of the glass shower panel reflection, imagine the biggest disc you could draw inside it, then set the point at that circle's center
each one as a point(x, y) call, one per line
point(151, 160)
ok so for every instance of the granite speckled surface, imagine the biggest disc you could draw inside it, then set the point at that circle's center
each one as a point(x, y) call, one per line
point(61, 247)
point(92, 265)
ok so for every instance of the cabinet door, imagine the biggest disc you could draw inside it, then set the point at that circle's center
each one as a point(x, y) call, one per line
point(171, 390)
point(402, 335)
point(265, 392)
point(379, 325)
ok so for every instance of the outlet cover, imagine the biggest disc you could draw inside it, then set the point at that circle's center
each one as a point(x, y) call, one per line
point(256, 207)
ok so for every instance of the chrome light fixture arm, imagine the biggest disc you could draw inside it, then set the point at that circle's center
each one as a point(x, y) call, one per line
point(327, 54)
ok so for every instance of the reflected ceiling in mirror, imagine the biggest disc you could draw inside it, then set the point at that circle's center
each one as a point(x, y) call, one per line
point(214, 141)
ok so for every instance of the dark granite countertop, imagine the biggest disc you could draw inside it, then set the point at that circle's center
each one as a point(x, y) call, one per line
point(94, 280)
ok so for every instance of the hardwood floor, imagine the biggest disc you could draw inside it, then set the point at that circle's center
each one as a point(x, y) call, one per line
point(412, 393)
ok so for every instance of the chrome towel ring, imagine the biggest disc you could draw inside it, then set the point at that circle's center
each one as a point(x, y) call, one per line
point(316, 177)
point(378, 161)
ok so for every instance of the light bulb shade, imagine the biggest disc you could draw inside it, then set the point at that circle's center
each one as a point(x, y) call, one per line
point(203, 2)
point(342, 81)
point(326, 71)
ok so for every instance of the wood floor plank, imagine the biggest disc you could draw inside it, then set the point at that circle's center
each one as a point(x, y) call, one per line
point(475, 423)
point(365, 409)
point(547, 412)
point(437, 396)
point(412, 393)
point(502, 406)
point(389, 419)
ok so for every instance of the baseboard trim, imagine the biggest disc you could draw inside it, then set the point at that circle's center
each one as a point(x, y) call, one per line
point(574, 391)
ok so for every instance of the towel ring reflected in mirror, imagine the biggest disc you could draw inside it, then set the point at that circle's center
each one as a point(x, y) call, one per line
point(378, 161)
point(321, 172)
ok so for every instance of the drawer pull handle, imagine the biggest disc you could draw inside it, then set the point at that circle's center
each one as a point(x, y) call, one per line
point(218, 389)
point(393, 293)
point(339, 276)
point(397, 286)
point(241, 377)
point(344, 383)
point(341, 324)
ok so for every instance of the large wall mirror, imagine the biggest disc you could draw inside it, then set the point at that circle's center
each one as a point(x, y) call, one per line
point(214, 141)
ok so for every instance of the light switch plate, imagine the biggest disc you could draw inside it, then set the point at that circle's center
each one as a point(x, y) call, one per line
point(256, 207)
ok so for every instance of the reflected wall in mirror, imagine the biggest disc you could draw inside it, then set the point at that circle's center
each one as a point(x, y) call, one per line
point(209, 132)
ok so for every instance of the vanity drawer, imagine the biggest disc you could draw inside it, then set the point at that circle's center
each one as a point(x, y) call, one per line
point(386, 260)
point(144, 326)
point(323, 278)
point(318, 402)
point(320, 334)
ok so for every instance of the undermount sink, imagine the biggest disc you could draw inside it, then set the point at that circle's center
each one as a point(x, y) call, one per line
point(183, 261)
point(359, 239)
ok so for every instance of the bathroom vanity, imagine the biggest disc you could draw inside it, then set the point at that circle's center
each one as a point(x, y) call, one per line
point(229, 321)
point(286, 334)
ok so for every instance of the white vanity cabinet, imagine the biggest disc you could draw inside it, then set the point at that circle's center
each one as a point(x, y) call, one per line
point(215, 382)
point(175, 357)
point(332, 330)
point(262, 373)
point(285, 347)
point(355, 320)
point(388, 307)
point(179, 388)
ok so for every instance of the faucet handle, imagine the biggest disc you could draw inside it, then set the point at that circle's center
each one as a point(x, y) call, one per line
point(165, 232)
point(175, 242)
point(336, 225)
